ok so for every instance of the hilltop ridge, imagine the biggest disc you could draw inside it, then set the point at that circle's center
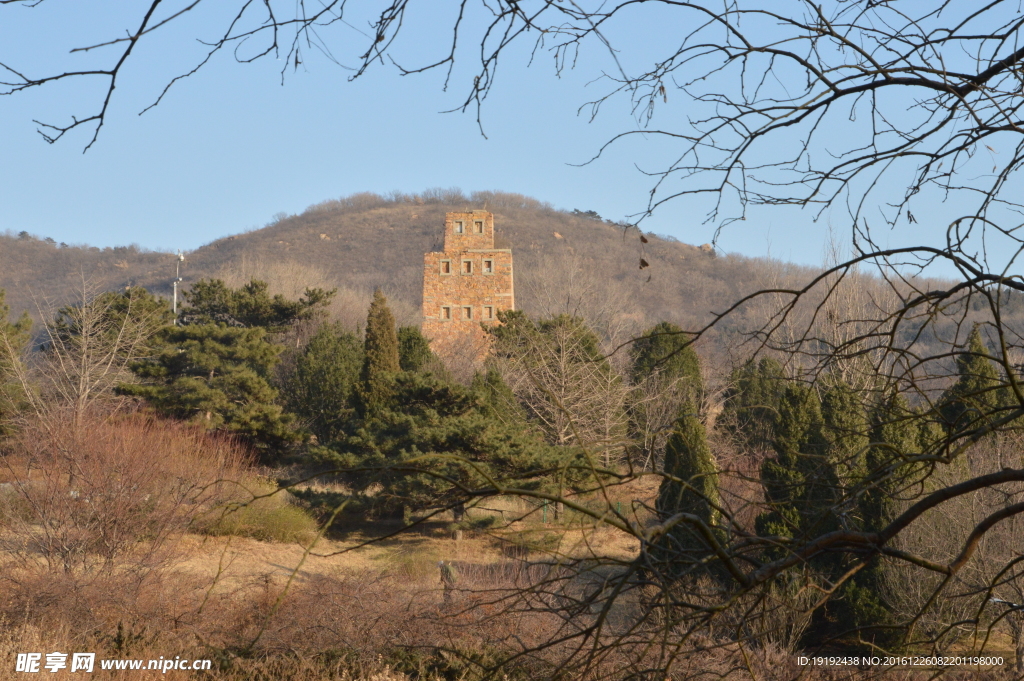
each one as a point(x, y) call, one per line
point(564, 261)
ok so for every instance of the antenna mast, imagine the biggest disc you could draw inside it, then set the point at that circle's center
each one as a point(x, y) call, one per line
point(177, 277)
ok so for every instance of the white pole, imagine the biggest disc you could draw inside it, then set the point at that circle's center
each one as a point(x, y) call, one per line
point(177, 278)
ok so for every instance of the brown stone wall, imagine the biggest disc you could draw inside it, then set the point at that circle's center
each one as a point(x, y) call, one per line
point(466, 285)
point(477, 230)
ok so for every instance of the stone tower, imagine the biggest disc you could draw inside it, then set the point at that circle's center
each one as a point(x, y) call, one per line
point(465, 286)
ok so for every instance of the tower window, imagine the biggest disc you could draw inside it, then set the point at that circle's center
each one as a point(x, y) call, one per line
point(467, 267)
point(488, 312)
point(479, 226)
point(488, 267)
point(467, 312)
point(458, 227)
point(446, 267)
point(446, 312)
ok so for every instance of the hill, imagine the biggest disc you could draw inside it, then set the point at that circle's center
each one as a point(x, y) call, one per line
point(572, 262)
point(565, 262)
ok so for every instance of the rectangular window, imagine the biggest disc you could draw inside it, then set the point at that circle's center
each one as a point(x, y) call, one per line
point(467, 267)
point(446, 267)
point(467, 312)
point(458, 226)
point(446, 312)
point(479, 225)
point(488, 312)
point(488, 267)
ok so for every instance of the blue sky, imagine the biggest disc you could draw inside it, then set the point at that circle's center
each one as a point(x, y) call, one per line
point(230, 147)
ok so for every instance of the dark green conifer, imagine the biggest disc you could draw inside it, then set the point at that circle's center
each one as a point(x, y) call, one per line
point(436, 439)
point(322, 384)
point(664, 349)
point(895, 434)
point(895, 430)
point(665, 372)
point(413, 349)
point(497, 398)
point(211, 301)
point(846, 431)
point(752, 403)
point(380, 360)
point(972, 400)
point(800, 483)
point(690, 486)
point(218, 376)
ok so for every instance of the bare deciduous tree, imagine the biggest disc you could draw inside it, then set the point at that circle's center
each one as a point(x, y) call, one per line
point(88, 350)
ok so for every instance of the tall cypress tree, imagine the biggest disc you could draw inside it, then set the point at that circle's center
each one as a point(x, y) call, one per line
point(752, 402)
point(690, 486)
point(845, 429)
point(895, 433)
point(970, 402)
point(800, 483)
point(895, 430)
point(381, 360)
point(664, 349)
point(665, 372)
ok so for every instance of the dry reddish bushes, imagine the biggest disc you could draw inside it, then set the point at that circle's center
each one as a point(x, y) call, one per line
point(93, 510)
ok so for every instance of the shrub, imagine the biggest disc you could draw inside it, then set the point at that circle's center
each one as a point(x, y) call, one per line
point(84, 496)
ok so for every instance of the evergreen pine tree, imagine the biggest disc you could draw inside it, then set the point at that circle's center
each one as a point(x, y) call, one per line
point(381, 360)
point(321, 386)
point(497, 398)
point(211, 301)
point(218, 376)
point(434, 440)
point(690, 486)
